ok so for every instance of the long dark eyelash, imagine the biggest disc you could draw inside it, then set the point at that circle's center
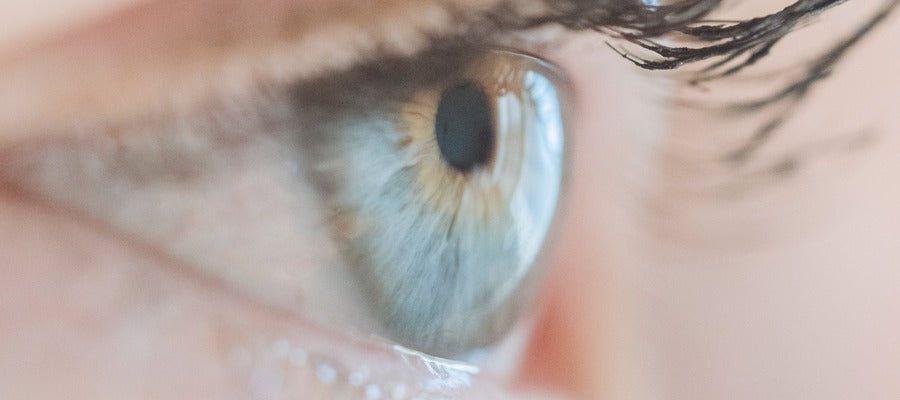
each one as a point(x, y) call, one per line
point(724, 48)
point(634, 17)
point(793, 93)
point(752, 39)
point(719, 49)
point(820, 68)
point(729, 47)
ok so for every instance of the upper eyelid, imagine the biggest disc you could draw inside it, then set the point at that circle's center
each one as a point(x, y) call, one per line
point(128, 67)
point(23, 22)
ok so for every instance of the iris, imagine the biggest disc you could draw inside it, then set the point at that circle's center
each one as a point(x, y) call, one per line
point(443, 194)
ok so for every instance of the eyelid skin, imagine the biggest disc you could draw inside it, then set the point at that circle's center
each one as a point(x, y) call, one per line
point(23, 23)
point(215, 344)
point(125, 65)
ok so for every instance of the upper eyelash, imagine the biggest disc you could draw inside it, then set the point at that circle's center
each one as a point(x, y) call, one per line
point(728, 42)
point(726, 48)
point(797, 90)
point(732, 47)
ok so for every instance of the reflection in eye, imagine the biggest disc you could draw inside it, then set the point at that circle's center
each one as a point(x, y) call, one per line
point(444, 208)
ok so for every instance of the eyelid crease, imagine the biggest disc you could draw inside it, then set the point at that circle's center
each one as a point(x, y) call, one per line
point(23, 23)
point(127, 66)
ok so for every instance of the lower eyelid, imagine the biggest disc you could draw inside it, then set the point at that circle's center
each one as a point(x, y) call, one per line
point(233, 341)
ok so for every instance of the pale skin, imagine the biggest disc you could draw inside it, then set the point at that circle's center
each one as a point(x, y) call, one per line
point(659, 289)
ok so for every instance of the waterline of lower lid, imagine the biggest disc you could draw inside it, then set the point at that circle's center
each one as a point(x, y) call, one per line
point(277, 368)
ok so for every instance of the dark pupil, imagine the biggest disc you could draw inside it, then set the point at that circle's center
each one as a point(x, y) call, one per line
point(464, 127)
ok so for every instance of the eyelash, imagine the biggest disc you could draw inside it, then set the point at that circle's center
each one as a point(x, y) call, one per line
point(707, 51)
point(724, 49)
point(639, 24)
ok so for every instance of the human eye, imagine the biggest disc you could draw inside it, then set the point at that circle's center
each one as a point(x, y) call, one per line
point(445, 212)
point(424, 188)
point(401, 200)
point(347, 201)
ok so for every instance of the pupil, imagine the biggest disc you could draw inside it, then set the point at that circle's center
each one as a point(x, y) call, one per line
point(464, 127)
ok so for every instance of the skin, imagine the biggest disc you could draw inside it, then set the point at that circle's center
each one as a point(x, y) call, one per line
point(664, 285)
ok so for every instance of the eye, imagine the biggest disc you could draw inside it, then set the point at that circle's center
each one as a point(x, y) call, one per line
point(444, 208)
point(435, 182)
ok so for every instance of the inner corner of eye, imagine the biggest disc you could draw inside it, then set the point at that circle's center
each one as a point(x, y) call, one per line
point(451, 208)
